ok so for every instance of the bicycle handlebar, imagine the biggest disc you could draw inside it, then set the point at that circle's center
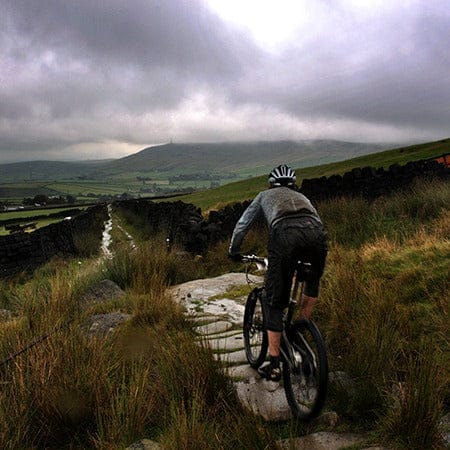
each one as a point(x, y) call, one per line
point(256, 259)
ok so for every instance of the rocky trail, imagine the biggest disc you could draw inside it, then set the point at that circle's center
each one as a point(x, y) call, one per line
point(217, 315)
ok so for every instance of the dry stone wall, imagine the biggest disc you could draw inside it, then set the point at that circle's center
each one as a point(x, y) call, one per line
point(24, 251)
point(184, 225)
point(371, 183)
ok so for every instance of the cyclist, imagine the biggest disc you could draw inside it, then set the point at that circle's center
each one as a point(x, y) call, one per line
point(295, 232)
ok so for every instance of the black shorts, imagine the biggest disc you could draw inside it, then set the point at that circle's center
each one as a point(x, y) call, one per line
point(293, 239)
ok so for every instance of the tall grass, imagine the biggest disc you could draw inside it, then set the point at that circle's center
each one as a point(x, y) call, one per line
point(381, 299)
point(354, 222)
point(148, 379)
point(383, 309)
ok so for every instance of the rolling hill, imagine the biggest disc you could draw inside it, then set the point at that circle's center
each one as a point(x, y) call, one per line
point(245, 157)
point(254, 156)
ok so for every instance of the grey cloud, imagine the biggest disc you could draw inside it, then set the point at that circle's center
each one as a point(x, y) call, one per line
point(395, 70)
point(90, 71)
point(178, 34)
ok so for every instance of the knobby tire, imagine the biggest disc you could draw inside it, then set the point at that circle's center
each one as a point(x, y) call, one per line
point(306, 388)
point(255, 335)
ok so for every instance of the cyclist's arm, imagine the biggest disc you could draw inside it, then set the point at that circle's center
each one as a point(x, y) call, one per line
point(243, 225)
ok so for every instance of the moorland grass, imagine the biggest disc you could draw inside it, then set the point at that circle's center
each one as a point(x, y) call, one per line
point(148, 379)
point(383, 309)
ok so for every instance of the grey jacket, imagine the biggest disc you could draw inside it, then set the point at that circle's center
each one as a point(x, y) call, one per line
point(274, 205)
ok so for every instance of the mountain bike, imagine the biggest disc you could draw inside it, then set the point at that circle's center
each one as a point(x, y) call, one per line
point(303, 353)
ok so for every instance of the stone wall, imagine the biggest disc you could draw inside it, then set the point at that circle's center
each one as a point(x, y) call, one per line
point(371, 183)
point(23, 251)
point(184, 225)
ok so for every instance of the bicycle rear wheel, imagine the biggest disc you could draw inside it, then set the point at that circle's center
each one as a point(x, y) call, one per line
point(255, 336)
point(305, 370)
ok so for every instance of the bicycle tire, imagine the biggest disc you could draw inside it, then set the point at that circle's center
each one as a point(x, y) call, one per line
point(255, 335)
point(306, 378)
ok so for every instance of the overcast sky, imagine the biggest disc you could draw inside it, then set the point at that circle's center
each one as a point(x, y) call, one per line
point(89, 79)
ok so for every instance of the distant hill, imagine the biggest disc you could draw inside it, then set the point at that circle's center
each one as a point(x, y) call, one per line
point(255, 156)
point(246, 189)
point(251, 157)
point(45, 170)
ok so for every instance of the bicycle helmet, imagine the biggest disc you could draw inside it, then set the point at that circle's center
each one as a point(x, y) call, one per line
point(282, 175)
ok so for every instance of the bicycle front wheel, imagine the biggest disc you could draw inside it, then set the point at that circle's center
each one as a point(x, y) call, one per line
point(255, 335)
point(305, 370)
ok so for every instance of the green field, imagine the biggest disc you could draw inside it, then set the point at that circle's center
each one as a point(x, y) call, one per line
point(30, 216)
point(247, 189)
point(156, 182)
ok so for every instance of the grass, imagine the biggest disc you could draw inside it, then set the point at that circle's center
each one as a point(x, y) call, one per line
point(148, 379)
point(247, 189)
point(383, 309)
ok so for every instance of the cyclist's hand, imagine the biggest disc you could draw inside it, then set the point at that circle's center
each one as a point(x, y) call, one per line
point(236, 257)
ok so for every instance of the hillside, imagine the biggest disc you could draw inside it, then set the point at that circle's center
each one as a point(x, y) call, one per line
point(244, 157)
point(45, 170)
point(247, 189)
point(241, 156)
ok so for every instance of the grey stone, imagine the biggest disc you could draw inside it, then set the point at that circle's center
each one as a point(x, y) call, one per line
point(100, 292)
point(242, 372)
point(100, 325)
point(196, 296)
point(444, 426)
point(5, 315)
point(264, 398)
point(233, 342)
point(213, 328)
point(144, 444)
point(328, 419)
point(322, 441)
point(231, 357)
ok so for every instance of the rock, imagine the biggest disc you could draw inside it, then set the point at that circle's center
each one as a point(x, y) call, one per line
point(328, 420)
point(264, 398)
point(244, 371)
point(213, 328)
point(196, 296)
point(322, 441)
point(100, 325)
point(231, 357)
point(228, 343)
point(444, 426)
point(100, 292)
point(5, 315)
point(144, 444)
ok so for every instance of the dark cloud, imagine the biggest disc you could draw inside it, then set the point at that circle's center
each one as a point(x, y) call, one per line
point(145, 71)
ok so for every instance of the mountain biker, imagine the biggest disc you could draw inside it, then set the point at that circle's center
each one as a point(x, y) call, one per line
point(295, 232)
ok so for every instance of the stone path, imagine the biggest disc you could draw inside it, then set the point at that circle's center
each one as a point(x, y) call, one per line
point(217, 318)
point(220, 317)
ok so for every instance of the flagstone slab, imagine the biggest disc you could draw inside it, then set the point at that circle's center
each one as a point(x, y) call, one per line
point(233, 342)
point(214, 327)
point(208, 296)
point(242, 372)
point(323, 441)
point(264, 398)
point(237, 357)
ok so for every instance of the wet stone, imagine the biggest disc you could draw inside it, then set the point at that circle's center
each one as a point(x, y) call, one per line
point(231, 357)
point(242, 372)
point(229, 343)
point(213, 328)
point(264, 398)
point(322, 441)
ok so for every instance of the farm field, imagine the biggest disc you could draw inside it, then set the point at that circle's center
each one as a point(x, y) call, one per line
point(41, 217)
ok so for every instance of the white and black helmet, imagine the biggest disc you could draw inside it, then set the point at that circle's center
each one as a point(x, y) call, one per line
point(282, 175)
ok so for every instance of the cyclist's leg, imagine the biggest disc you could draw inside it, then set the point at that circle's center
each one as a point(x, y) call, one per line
point(315, 252)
